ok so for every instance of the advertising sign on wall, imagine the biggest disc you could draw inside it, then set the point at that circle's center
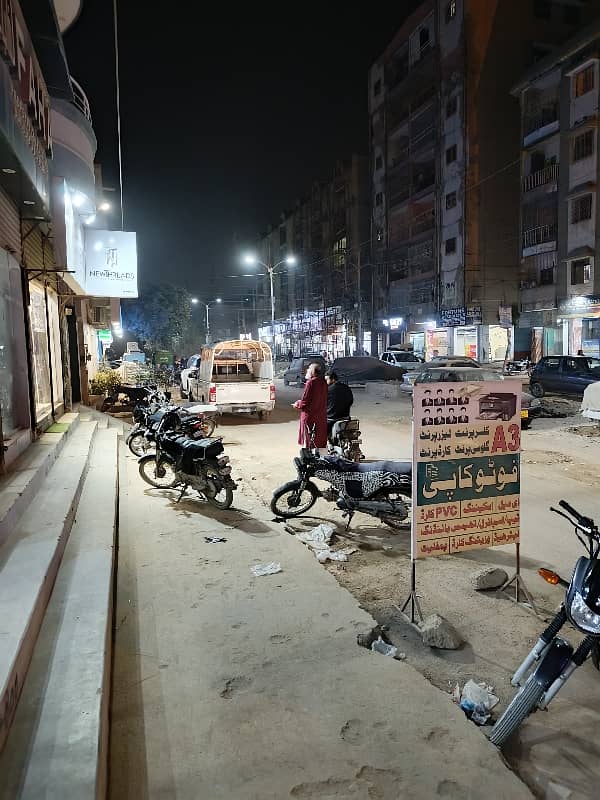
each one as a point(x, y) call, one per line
point(110, 263)
point(466, 480)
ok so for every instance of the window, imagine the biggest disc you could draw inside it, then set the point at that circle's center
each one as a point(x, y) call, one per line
point(450, 200)
point(451, 245)
point(451, 154)
point(379, 199)
point(551, 364)
point(282, 236)
point(583, 146)
point(450, 10)
point(542, 9)
point(583, 81)
point(379, 162)
point(424, 38)
point(377, 87)
point(547, 276)
point(581, 208)
point(451, 106)
point(580, 271)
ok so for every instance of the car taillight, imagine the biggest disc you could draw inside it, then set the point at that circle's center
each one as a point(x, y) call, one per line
point(272, 390)
point(212, 394)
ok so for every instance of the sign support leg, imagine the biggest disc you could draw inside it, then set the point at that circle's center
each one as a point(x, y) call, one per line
point(413, 598)
point(519, 583)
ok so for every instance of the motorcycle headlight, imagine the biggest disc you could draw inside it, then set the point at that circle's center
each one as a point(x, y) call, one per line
point(583, 616)
point(535, 403)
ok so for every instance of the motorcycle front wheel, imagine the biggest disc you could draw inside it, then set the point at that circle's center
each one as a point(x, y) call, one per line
point(520, 708)
point(160, 475)
point(208, 427)
point(290, 501)
point(139, 445)
point(393, 496)
point(218, 495)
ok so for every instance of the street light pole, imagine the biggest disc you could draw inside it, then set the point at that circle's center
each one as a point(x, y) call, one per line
point(207, 324)
point(207, 306)
point(270, 268)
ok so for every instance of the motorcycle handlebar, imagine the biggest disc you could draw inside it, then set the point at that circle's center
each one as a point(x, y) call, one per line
point(585, 522)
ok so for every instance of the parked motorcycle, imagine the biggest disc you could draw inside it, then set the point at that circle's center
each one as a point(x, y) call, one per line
point(194, 421)
point(189, 463)
point(345, 440)
point(382, 489)
point(556, 659)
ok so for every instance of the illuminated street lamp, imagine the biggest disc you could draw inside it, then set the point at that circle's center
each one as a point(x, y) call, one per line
point(252, 260)
point(207, 306)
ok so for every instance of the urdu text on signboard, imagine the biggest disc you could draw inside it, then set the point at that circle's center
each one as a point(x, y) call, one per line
point(467, 468)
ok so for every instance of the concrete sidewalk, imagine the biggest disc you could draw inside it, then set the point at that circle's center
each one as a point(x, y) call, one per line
point(228, 686)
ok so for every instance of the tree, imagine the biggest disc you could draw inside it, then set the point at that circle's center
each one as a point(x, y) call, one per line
point(160, 317)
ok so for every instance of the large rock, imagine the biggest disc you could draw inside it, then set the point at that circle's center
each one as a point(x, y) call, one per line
point(489, 578)
point(438, 632)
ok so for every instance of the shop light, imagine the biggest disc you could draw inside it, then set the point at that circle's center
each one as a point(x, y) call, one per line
point(78, 199)
point(98, 247)
point(9, 171)
point(104, 206)
point(29, 202)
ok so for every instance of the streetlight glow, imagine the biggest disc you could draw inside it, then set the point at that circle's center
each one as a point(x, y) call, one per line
point(194, 300)
point(218, 300)
point(249, 259)
point(290, 260)
point(104, 206)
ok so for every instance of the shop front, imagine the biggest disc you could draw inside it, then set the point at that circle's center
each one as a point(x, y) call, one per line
point(46, 352)
point(463, 324)
point(580, 318)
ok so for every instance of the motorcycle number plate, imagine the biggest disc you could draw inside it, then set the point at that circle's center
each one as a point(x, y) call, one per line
point(524, 414)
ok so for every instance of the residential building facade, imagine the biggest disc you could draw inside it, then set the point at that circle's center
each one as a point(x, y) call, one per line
point(323, 300)
point(444, 156)
point(560, 222)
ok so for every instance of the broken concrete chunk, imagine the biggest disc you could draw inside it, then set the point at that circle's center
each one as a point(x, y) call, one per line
point(489, 578)
point(438, 632)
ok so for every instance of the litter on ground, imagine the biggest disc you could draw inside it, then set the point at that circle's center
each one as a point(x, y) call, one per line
point(266, 569)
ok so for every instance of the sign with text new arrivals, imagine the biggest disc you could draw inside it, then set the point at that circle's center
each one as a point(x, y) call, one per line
point(466, 466)
point(110, 263)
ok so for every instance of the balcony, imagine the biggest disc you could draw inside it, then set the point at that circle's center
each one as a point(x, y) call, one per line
point(74, 141)
point(542, 177)
point(540, 239)
point(539, 124)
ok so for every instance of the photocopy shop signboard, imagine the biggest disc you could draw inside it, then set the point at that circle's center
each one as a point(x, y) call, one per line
point(466, 475)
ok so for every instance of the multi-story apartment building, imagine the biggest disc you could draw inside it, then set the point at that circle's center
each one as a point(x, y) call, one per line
point(560, 218)
point(323, 300)
point(444, 148)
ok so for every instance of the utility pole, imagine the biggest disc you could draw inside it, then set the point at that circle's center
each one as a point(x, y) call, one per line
point(359, 324)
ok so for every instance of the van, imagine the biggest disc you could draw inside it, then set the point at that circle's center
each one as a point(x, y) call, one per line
point(236, 377)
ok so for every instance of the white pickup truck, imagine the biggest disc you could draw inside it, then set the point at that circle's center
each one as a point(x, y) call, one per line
point(236, 377)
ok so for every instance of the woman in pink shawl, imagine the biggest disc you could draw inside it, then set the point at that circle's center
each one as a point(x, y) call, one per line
point(313, 408)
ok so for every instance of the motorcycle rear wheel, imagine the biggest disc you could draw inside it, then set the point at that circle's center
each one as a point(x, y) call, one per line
point(161, 475)
point(519, 709)
point(287, 502)
point(221, 497)
point(139, 445)
point(395, 520)
point(208, 427)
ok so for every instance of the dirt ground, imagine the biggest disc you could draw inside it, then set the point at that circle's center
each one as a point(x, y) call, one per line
point(556, 753)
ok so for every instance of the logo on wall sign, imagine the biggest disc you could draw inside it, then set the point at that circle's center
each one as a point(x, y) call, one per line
point(111, 263)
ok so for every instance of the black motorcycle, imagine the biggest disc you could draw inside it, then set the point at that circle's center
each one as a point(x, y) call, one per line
point(344, 439)
point(382, 489)
point(556, 659)
point(189, 463)
point(142, 436)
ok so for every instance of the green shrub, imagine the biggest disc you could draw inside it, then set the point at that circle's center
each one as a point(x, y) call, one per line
point(105, 381)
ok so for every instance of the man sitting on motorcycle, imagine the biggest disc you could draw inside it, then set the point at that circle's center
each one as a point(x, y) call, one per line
point(339, 400)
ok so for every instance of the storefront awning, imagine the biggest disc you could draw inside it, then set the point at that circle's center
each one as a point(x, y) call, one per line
point(580, 252)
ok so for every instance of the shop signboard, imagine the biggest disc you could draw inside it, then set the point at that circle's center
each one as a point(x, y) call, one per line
point(453, 317)
point(163, 357)
point(105, 335)
point(24, 99)
point(580, 306)
point(466, 466)
point(110, 263)
point(473, 315)
point(505, 316)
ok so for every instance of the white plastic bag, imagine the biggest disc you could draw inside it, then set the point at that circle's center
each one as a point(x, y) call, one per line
point(266, 569)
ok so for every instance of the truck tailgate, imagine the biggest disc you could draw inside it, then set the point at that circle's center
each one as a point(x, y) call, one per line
point(243, 393)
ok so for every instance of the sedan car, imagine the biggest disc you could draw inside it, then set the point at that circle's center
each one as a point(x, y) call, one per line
point(563, 375)
point(530, 406)
point(437, 361)
point(402, 358)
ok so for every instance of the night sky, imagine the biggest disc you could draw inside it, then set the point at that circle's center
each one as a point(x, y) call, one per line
point(223, 124)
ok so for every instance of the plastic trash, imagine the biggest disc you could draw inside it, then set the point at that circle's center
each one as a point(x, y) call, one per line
point(322, 533)
point(476, 712)
point(379, 646)
point(266, 569)
point(479, 694)
point(214, 539)
point(326, 554)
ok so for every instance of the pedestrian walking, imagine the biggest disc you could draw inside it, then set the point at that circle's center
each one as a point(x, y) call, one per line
point(313, 408)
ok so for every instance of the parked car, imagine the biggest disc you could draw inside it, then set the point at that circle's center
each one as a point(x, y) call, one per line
point(563, 375)
point(295, 373)
point(530, 406)
point(402, 358)
point(437, 361)
point(359, 369)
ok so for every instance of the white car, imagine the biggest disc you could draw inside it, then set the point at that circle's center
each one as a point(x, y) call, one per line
point(438, 361)
point(402, 358)
point(192, 365)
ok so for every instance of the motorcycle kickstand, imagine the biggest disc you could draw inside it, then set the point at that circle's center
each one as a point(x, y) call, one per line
point(183, 491)
point(349, 514)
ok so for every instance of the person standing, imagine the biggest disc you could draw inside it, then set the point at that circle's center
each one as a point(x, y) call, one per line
point(313, 408)
point(290, 356)
point(339, 399)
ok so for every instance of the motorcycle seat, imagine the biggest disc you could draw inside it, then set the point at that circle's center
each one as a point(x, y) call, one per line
point(398, 467)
